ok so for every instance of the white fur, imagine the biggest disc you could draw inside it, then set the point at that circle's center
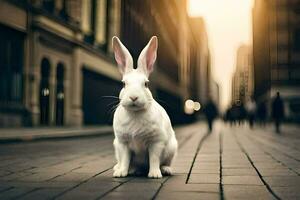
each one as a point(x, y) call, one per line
point(144, 137)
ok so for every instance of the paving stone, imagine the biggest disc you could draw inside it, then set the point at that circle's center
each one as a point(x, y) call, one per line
point(277, 172)
point(145, 179)
point(239, 172)
point(15, 192)
point(177, 183)
point(242, 180)
point(44, 193)
point(215, 167)
point(268, 165)
point(263, 158)
point(205, 163)
point(190, 195)
point(20, 167)
point(129, 196)
point(181, 170)
point(73, 177)
point(246, 192)
point(39, 177)
point(15, 176)
point(89, 190)
point(290, 192)
point(142, 186)
point(285, 181)
point(4, 187)
point(237, 166)
point(204, 178)
point(4, 173)
point(108, 176)
point(22, 184)
point(237, 163)
point(93, 168)
point(205, 171)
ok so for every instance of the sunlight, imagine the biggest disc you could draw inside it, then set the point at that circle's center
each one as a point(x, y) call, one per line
point(228, 24)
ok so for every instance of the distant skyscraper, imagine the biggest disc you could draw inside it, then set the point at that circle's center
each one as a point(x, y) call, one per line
point(242, 81)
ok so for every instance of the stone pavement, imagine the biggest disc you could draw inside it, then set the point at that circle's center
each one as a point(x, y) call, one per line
point(230, 163)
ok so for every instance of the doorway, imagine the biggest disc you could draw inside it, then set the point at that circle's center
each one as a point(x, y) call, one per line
point(44, 92)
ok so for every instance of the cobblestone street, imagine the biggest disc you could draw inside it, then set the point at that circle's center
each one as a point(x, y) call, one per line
point(230, 163)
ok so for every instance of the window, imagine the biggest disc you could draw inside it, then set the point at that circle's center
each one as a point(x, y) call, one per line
point(48, 5)
point(11, 66)
point(101, 19)
point(96, 21)
point(89, 10)
point(57, 8)
point(296, 42)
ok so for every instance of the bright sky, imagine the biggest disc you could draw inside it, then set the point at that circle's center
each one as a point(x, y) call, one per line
point(228, 24)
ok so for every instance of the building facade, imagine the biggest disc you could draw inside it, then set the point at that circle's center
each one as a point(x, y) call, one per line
point(182, 68)
point(51, 54)
point(65, 67)
point(276, 52)
point(199, 62)
point(243, 78)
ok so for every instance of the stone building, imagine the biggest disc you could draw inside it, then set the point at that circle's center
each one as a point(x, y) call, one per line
point(276, 52)
point(200, 71)
point(49, 51)
point(58, 66)
point(243, 80)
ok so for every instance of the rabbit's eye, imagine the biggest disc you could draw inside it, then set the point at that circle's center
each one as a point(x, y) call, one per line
point(123, 84)
point(147, 84)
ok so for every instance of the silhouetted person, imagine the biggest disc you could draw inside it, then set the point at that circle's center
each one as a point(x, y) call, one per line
point(228, 116)
point(277, 111)
point(241, 112)
point(251, 110)
point(262, 113)
point(210, 110)
point(235, 113)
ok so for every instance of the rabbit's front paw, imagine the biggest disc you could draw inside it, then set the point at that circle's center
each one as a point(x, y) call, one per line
point(155, 174)
point(166, 170)
point(120, 173)
point(116, 167)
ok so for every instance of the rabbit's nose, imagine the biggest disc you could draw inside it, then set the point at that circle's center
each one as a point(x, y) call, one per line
point(133, 98)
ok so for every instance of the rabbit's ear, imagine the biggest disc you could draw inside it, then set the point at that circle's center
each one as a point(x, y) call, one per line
point(122, 56)
point(148, 56)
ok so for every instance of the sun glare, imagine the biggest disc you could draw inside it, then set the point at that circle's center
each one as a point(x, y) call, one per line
point(228, 24)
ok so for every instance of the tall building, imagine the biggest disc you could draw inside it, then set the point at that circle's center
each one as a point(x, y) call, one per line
point(276, 52)
point(57, 62)
point(242, 81)
point(199, 62)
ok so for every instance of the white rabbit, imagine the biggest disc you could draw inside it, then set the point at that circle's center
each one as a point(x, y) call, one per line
point(144, 137)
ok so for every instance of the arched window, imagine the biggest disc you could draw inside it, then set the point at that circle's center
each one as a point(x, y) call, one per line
point(60, 94)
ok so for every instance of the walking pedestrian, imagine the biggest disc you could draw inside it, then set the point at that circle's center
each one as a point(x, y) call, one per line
point(262, 113)
point(251, 110)
point(211, 112)
point(277, 111)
